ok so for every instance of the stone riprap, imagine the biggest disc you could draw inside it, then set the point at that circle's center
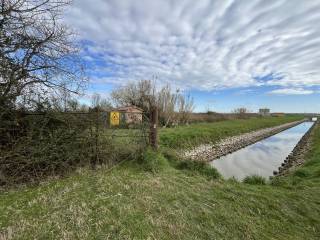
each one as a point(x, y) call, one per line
point(209, 152)
point(297, 156)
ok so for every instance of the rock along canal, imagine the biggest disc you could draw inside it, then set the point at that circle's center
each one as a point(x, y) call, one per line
point(263, 157)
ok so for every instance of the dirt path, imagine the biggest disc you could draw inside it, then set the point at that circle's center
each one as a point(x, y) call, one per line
point(209, 152)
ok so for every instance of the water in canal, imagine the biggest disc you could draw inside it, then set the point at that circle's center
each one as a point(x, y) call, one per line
point(263, 157)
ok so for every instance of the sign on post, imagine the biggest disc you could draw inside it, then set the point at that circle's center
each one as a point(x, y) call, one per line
point(114, 118)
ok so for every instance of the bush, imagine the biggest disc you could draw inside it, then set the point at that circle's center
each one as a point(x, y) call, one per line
point(199, 167)
point(47, 148)
point(153, 161)
point(255, 180)
point(55, 144)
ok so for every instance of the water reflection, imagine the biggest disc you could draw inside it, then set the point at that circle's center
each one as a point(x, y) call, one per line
point(263, 157)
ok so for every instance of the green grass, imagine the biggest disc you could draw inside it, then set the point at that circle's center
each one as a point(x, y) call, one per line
point(170, 203)
point(197, 167)
point(195, 134)
point(255, 180)
point(153, 161)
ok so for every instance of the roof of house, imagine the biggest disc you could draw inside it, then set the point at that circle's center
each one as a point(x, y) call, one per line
point(126, 108)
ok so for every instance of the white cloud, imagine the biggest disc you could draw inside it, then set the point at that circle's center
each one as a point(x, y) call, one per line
point(291, 91)
point(202, 44)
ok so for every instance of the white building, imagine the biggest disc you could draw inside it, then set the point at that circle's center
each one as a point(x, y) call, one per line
point(264, 111)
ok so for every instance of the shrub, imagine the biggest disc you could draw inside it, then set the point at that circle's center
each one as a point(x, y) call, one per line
point(57, 143)
point(255, 180)
point(153, 161)
point(199, 167)
point(44, 151)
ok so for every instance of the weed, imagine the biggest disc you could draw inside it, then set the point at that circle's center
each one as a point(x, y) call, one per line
point(199, 167)
point(153, 161)
point(171, 155)
point(255, 180)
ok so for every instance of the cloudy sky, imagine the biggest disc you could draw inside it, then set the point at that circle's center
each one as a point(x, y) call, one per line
point(226, 53)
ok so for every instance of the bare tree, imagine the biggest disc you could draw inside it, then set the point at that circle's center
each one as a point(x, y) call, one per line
point(186, 107)
point(241, 112)
point(95, 100)
point(100, 103)
point(141, 94)
point(173, 106)
point(37, 52)
point(167, 102)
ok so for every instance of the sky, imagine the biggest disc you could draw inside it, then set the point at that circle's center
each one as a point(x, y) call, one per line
point(225, 53)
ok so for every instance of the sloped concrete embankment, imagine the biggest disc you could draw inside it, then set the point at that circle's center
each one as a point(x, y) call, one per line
point(209, 152)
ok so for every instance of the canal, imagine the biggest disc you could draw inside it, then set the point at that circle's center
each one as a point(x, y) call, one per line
point(263, 157)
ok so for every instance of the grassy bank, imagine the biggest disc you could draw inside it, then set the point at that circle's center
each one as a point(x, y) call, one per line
point(195, 134)
point(129, 202)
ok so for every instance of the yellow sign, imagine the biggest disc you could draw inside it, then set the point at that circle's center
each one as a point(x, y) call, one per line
point(114, 118)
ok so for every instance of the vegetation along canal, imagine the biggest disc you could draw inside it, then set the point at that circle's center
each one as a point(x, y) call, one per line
point(263, 157)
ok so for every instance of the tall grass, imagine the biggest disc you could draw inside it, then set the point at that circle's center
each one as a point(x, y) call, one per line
point(255, 180)
point(153, 161)
point(199, 167)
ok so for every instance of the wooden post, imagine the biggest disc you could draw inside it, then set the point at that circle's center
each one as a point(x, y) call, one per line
point(97, 138)
point(153, 135)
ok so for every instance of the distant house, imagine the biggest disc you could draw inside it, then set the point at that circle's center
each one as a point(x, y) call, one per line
point(277, 114)
point(264, 111)
point(131, 114)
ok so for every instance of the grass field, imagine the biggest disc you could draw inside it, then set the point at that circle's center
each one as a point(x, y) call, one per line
point(170, 203)
point(195, 134)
